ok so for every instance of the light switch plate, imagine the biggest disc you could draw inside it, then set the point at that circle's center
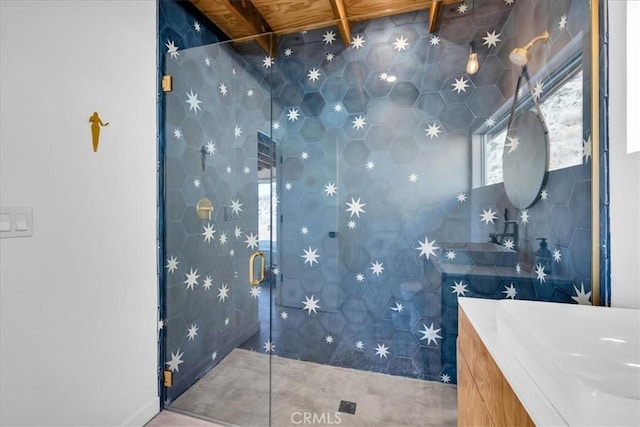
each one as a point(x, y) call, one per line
point(16, 222)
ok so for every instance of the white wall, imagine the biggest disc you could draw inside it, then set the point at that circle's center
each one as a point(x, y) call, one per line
point(78, 299)
point(624, 167)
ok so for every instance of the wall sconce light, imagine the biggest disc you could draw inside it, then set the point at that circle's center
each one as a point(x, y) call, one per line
point(472, 62)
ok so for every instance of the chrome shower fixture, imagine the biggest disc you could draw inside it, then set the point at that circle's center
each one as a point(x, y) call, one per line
point(520, 55)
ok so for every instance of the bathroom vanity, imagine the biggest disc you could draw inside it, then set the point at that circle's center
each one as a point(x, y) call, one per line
point(538, 363)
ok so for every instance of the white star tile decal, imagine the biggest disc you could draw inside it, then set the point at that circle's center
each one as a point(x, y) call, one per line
point(581, 297)
point(196, 183)
point(461, 197)
point(563, 22)
point(398, 308)
point(376, 268)
point(459, 288)
point(359, 122)
point(490, 122)
point(288, 52)
point(329, 57)
point(491, 39)
point(540, 274)
point(355, 207)
point(359, 277)
point(304, 155)
point(193, 101)
point(176, 360)
point(223, 293)
point(238, 231)
point(537, 89)
point(434, 41)
point(208, 283)
point(252, 241)
point(488, 216)
point(524, 216)
point(451, 255)
point(211, 147)
point(172, 49)
point(172, 264)
point(401, 43)
point(427, 248)
point(284, 315)
point(207, 61)
point(445, 378)
point(518, 268)
point(557, 256)
point(357, 42)
point(331, 189)
point(293, 114)
point(288, 186)
point(177, 133)
point(237, 131)
point(509, 244)
point(508, 2)
point(463, 8)
point(236, 207)
point(223, 89)
point(254, 291)
point(586, 149)
point(460, 85)
point(311, 304)
point(337, 108)
point(192, 332)
point(267, 62)
point(359, 345)
point(269, 347)
point(250, 93)
point(314, 75)
point(208, 232)
point(304, 230)
point(544, 194)
point(214, 355)
point(382, 350)
point(329, 37)
point(276, 125)
point(510, 291)
point(196, 26)
point(192, 279)
point(433, 130)
point(413, 178)
point(310, 256)
point(430, 334)
point(384, 76)
point(328, 339)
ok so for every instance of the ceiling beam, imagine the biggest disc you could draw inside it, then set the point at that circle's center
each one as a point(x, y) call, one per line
point(434, 13)
point(340, 11)
point(247, 13)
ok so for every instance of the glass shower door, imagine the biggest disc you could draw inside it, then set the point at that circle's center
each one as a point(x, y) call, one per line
point(217, 235)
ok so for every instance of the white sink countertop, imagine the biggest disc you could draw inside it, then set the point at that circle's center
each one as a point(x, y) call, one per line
point(568, 364)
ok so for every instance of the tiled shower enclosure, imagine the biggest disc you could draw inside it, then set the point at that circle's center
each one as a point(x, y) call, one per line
point(374, 151)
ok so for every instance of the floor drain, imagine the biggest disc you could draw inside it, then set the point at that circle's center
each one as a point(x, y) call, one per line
point(347, 407)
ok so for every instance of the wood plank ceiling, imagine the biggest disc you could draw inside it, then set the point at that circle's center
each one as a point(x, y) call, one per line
point(262, 20)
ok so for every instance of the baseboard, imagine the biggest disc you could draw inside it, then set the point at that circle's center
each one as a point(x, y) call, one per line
point(144, 414)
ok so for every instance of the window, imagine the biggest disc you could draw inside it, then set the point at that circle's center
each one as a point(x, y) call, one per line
point(562, 113)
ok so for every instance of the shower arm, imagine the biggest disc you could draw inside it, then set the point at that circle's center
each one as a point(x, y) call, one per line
point(544, 37)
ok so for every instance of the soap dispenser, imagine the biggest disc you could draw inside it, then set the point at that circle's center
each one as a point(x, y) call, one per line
point(543, 256)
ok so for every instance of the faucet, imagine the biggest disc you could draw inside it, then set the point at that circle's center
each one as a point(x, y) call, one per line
point(510, 231)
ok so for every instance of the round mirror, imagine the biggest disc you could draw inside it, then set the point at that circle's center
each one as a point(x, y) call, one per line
point(525, 158)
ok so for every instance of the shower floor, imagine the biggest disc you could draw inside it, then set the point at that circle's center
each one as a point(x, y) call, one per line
point(236, 392)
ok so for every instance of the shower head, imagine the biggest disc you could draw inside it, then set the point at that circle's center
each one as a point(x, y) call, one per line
point(520, 55)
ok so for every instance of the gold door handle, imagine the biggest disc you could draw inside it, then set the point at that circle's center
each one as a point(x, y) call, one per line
point(252, 276)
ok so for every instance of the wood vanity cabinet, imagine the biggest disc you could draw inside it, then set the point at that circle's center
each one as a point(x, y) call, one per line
point(485, 398)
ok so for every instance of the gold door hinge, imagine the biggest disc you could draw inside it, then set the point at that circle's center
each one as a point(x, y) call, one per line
point(167, 83)
point(168, 378)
